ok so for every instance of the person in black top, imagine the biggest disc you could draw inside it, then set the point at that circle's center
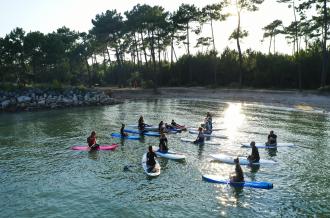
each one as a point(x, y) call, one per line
point(122, 133)
point(272, 138)
point(200, 138)
point(239, 176)
point(141, 124)
point(161, 127)
point(254, 157)
point(163, 143)
point(151, 162)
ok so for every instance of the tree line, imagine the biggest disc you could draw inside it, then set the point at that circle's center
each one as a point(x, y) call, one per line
point(140, 46)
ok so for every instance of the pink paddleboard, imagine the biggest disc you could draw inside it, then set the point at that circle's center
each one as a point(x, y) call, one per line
point(101, 147)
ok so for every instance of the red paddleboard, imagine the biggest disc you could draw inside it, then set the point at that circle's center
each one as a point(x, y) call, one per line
point(101, 147)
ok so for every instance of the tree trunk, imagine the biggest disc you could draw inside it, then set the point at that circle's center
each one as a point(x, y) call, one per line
point(325, 53)
point(239, 51)
point(136, 50)
point(212, 35)
point(89, 72)
point(274, 45)
point(144, 49)
point(109, 56)
point(270, 43)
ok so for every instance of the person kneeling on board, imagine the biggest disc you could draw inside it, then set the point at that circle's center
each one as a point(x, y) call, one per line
point(122, 133)
point(141, 124)
point(272, 138)
point(151, 162)
point(238, 176)
point(254, 157)
point(200, 138)
point(91, 140)
point(163, 143)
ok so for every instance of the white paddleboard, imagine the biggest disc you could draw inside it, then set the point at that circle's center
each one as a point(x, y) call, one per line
point(263, 145)
point(205, 142)
point(242, 160)
point(156, 170)
point(209, 135)
point(170, 154)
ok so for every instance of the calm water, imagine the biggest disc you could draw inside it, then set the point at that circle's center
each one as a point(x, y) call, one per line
point(41, 177)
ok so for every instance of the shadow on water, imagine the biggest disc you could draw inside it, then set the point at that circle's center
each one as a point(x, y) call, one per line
point(254, 169)
point(93, 154)
point(200, 151)
point(271, 151)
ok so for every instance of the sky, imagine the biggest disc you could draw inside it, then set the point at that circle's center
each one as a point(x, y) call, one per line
point(48, 15)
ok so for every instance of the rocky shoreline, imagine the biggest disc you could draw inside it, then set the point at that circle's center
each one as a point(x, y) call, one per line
point(32, 99)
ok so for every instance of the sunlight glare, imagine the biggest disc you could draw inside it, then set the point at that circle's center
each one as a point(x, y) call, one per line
point(233, 118)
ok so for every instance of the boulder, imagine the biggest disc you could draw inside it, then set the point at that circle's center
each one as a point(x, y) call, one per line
point(23, 98)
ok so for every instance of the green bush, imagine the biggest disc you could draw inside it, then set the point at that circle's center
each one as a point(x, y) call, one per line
point(56, 85)
point(149, 84)
point(8, 87)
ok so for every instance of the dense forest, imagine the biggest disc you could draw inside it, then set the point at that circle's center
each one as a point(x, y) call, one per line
point(139, 47)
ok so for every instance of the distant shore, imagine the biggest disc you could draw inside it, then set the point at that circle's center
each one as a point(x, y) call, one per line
point(305, 100)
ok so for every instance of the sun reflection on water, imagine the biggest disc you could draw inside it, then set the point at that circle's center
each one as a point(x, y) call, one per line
point(233, 118)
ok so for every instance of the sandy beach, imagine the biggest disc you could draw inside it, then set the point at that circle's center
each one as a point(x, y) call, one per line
point(306, 100)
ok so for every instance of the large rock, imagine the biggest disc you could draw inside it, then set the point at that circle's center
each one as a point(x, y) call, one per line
point(5, 104)
point(23, 98)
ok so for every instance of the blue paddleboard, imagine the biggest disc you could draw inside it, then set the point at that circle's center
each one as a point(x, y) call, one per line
point(132, 137)
point(140, 132)
point(252, 184)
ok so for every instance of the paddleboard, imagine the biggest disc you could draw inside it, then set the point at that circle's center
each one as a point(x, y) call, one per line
point(145, 167)
point(101, 147)
point(140, 132)
point(242, 160)
point(170, 154)
point(136, 126)
point(131, 137)
point(205, 142)
point(263, 145)
point(252, 184)
point(209, 135)
point(214, 129)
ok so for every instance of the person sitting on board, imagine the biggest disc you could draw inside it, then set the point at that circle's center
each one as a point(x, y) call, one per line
point(177, 126)
point(238, 176)
point(208, 128)
point(209, 119)
point(151, 162)
point(163, 143)
point(122, 133)
point(200, 138)
point(254, 157)
point(141, 124)
point(161, 127)
point(272, 138)
point(91, 140)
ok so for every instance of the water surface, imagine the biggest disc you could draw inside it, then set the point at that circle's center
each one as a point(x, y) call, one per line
point(41, 177)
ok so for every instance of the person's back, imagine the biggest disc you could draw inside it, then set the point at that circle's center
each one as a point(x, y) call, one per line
point(163, 143)
point(200, 137)
point(151, 157)
point(122, 133)
point(254, 157)
point(239, 176)
point(272, 138)
point(141, 123)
